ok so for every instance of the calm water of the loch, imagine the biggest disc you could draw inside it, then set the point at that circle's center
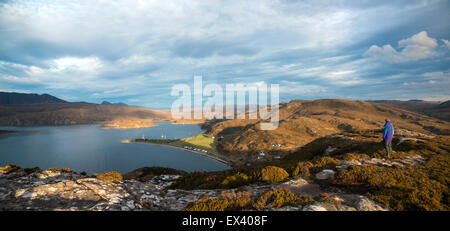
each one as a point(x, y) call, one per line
point(92, 149)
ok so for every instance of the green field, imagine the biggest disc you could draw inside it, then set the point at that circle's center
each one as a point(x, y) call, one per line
point(199, 141)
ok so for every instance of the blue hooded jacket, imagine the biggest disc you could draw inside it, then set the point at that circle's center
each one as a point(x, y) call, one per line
point(388, 131)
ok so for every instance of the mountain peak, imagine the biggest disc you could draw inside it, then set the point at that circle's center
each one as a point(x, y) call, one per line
point(116, 104)
point(26, 98)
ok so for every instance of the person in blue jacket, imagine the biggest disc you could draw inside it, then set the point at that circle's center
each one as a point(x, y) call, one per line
point(388, 134)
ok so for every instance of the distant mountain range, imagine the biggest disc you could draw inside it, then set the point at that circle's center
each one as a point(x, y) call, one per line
point(20, 109)
point(431, 108)
point(7, 98)
point(117, 104)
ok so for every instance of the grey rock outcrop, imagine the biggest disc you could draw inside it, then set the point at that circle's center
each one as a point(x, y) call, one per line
point(55, 190)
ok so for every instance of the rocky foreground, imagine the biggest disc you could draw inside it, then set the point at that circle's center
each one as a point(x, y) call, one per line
point(59, 190)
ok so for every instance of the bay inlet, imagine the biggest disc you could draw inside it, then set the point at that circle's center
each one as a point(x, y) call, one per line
point(92, 149)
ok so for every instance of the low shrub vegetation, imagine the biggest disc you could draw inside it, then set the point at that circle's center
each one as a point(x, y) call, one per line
point(68, 170)
point(400, 188)
point(54, 169)
point(147, 173)
point(278, 198)
point(10, 168)
point(273, 174)
point(234, 181)
point(325, 197)
point(230, 178)
point(326, 162)
point(230, 201)
point(301, 169)
point(110, 177)
point(305, 168)
point(32, 170)
point(353, 157)
point(415, 186)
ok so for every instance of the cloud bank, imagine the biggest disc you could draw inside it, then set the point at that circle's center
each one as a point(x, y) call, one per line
point(417, 47)
point(135, 51)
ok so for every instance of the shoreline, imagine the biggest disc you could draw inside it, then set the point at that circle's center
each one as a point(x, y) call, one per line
point(124, 124)
point(7, 132)
point(196, 152)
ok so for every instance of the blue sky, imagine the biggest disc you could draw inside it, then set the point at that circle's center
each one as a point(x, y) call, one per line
point(135, 51)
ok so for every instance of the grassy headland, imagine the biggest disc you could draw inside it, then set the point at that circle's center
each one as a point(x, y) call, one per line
point(199, 143)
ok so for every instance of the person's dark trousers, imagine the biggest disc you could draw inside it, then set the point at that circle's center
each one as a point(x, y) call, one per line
point(388, 147)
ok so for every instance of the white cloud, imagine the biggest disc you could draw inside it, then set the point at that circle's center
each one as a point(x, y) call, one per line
point(339, 74)
point(86, 64)
point(343, 78)
point(446, 42)
point(300, 89)
point(419, 46)
point(437, 75)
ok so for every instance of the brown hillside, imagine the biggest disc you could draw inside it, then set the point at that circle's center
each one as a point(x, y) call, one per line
point(302, 121)
point(430, 108)
point(72, 113)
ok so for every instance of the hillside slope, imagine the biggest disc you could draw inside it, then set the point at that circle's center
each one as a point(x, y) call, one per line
point(20, 109)
point(430, 108)
point(302, 121)
point(71, 113)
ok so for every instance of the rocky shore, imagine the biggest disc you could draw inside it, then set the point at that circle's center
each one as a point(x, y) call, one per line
point(6, 132)
point(28, 189)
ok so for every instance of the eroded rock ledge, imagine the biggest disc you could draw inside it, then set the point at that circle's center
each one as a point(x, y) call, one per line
point(59, 190)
